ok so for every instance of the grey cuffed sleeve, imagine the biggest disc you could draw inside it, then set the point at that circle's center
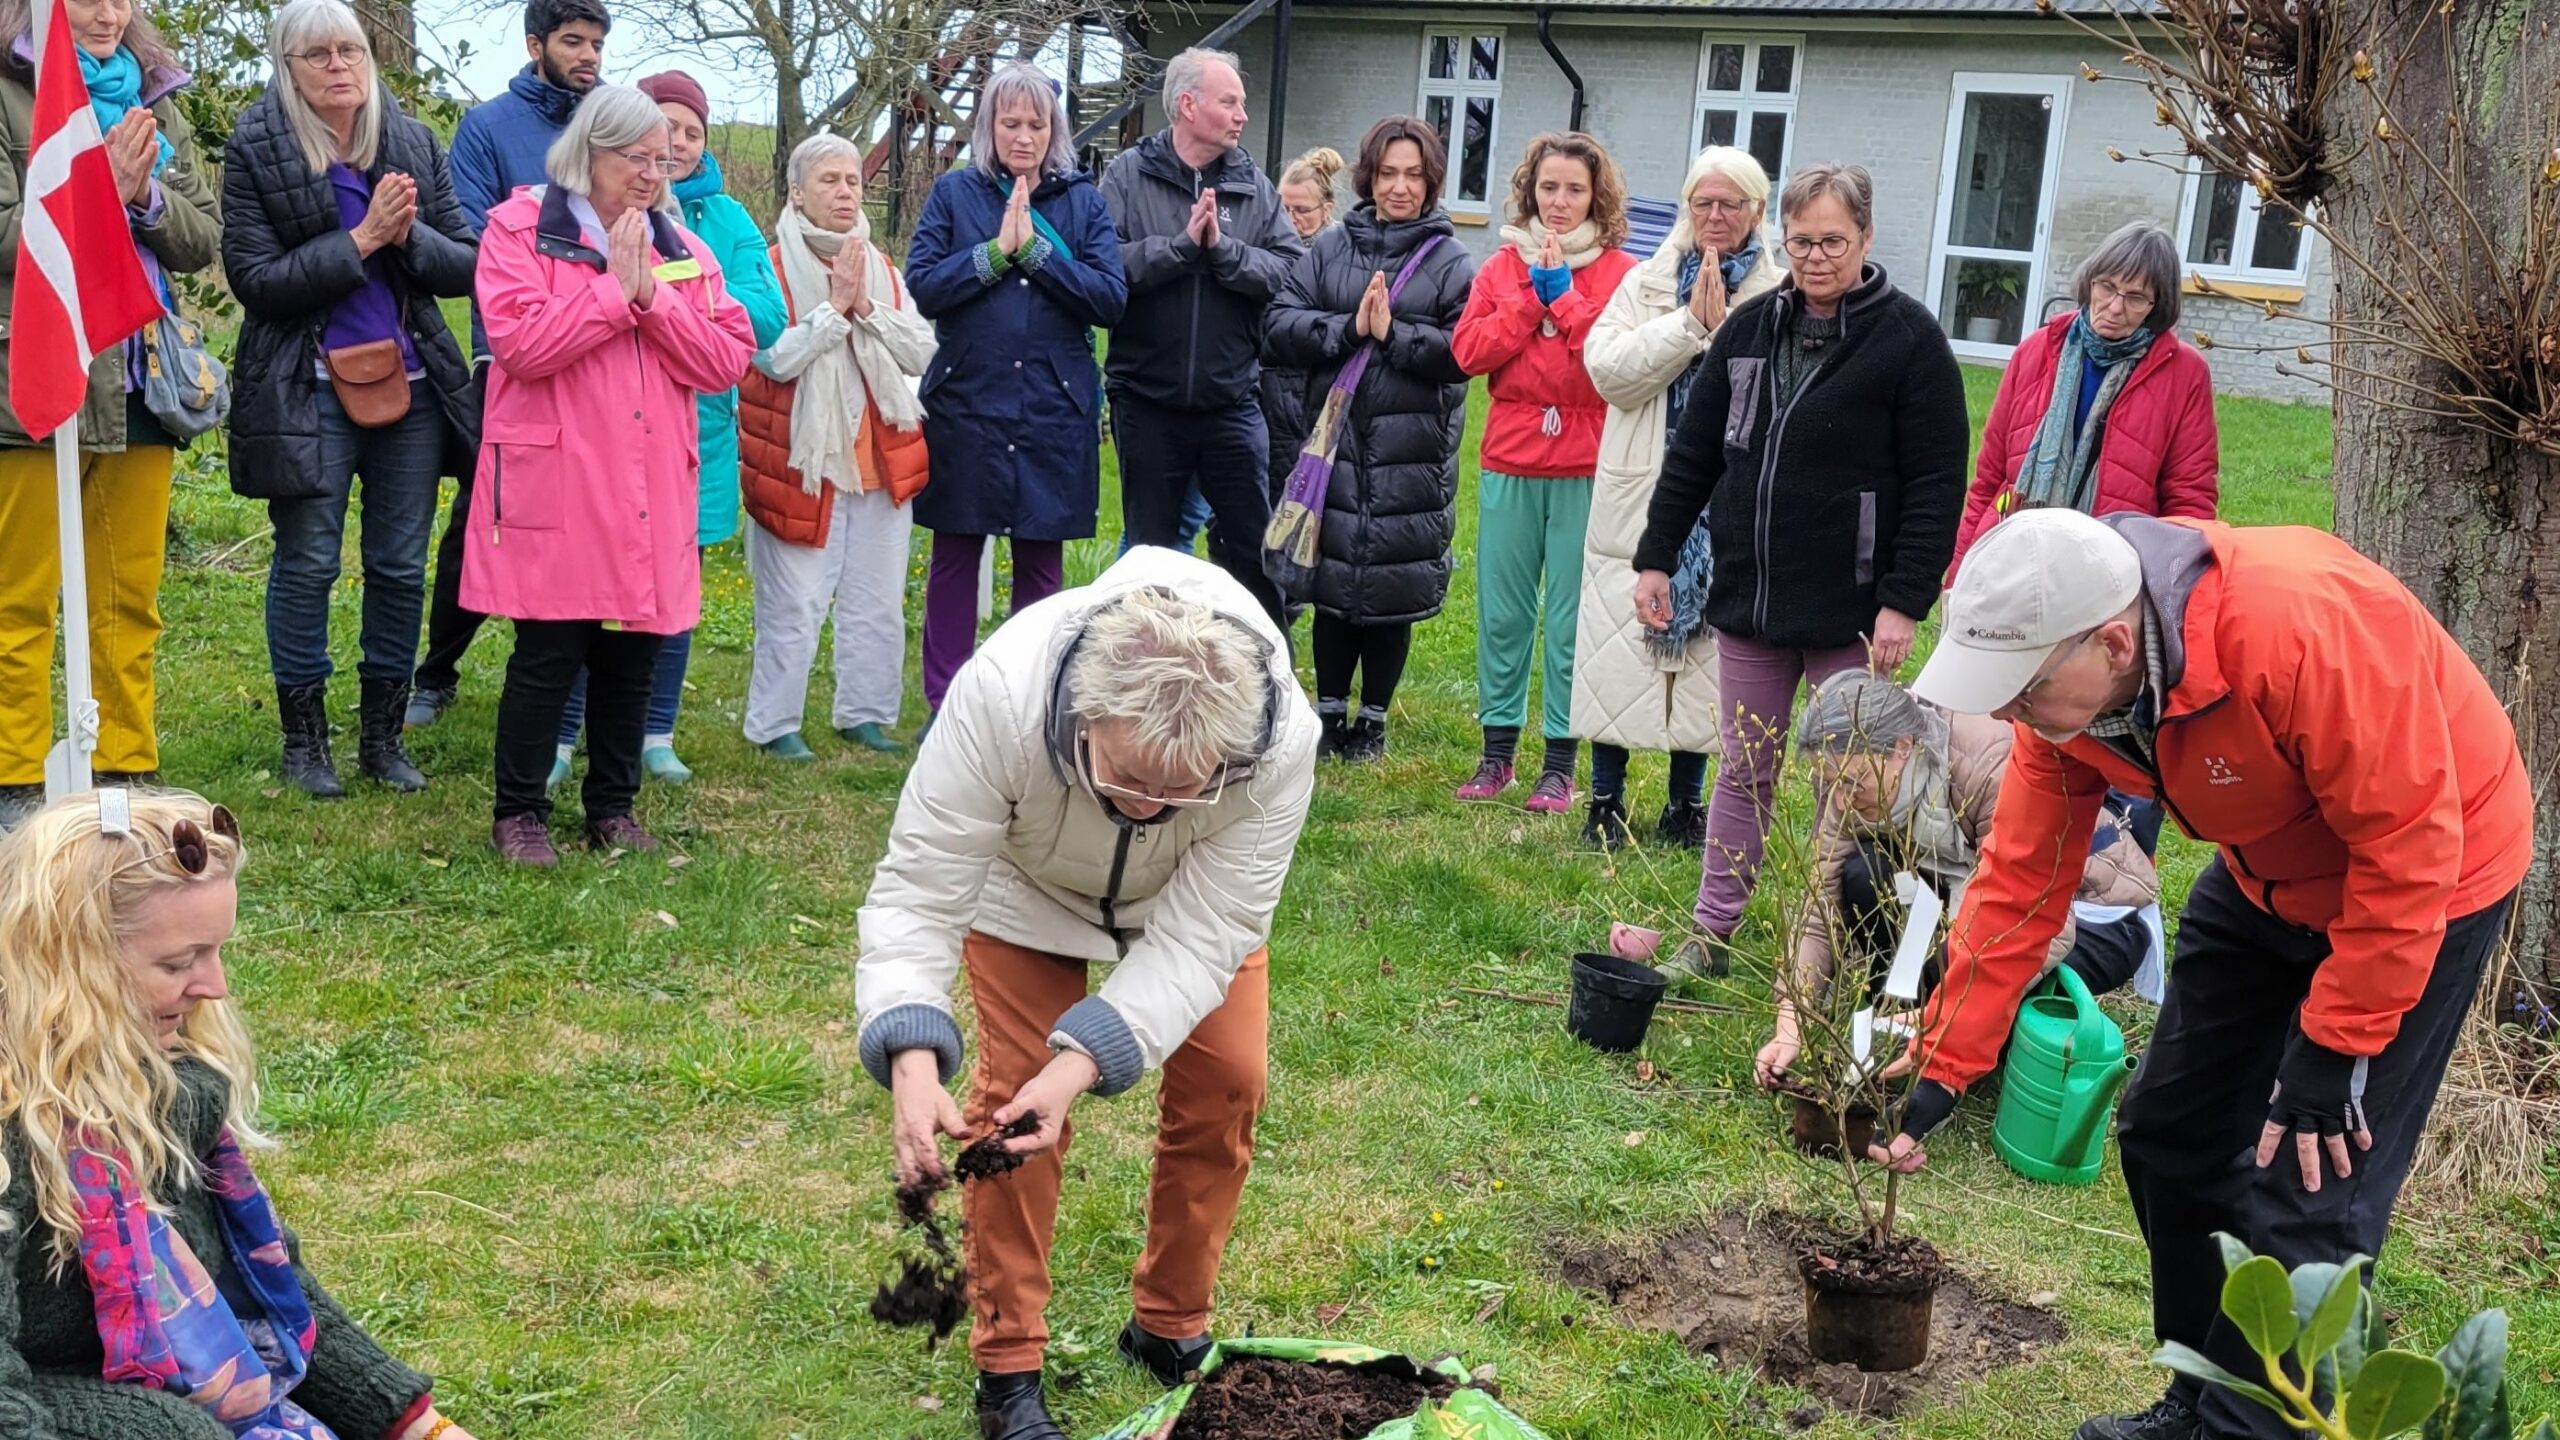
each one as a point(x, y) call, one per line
point(1093, 1026)
point(910, 1027)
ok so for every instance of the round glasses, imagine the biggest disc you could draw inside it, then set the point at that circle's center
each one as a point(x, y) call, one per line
point(1830, 247)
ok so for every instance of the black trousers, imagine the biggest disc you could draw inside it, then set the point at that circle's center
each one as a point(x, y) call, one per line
point(2104, 956)
point(1376, 652)
point(1166, 450)
point(2191, 1118)
point(620, 666)
point(450, 628)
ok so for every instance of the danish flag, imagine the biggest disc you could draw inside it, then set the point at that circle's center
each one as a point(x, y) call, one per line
point(81, 286)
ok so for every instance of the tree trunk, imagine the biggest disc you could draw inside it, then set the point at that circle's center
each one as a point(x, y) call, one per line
point(2469, 522)
point(790, 122)
point(392, 27)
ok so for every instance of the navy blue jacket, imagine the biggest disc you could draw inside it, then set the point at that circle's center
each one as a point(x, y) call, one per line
point(1010, 400)
point(498, 149)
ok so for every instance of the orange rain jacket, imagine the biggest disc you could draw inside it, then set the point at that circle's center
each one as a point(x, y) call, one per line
point(2321, 728)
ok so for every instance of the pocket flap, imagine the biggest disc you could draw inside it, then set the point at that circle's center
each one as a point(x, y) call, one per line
point(519, 432)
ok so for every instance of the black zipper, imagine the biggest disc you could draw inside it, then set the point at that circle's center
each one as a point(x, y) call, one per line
point(497, 490)
point(1769, 482)
point(1191, 360)
point(1119, 867)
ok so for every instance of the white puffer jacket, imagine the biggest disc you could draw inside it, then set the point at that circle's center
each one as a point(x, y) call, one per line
point(1623, 693)
point(996, 832)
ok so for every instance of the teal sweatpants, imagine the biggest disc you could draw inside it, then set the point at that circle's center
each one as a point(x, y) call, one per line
point(1526, 528)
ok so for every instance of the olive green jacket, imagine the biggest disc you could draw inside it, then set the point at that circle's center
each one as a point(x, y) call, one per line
point(185, 237)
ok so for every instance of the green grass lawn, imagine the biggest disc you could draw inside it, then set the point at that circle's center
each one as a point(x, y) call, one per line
point(594, 1146)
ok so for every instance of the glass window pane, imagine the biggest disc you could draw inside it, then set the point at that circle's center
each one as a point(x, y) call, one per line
point(2000, 172)
point(2217, 221)
point(1436, 109)
point(1444, 57)
point(1484, 59)
point(1724, 68)
point(1777, 73)
point(1477, 163)
point(1984, 301)
point(1718, 129)
point(2279, 244)
point(1769, 143)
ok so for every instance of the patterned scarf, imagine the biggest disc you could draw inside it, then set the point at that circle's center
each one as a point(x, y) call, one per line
point(2056, 471)
point(163, 1322)
point(1697, 560)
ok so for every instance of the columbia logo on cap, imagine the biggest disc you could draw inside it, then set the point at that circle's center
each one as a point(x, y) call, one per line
point(1993, 632)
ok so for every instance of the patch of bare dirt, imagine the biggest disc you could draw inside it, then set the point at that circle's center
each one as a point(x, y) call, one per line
point(1732, 1290)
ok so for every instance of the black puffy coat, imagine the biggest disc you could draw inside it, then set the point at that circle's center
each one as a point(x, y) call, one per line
point(1391, 510)
point(289, 260)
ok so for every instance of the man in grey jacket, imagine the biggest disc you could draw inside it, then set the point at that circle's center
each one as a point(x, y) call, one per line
point(1205, 244)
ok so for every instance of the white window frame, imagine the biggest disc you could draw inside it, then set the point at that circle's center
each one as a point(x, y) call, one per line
point(1458, 90)
point(2056, 91)
point(1747, 103)
point(2244, 228)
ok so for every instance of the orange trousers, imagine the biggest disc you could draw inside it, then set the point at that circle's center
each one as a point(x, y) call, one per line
point(1212, 1092)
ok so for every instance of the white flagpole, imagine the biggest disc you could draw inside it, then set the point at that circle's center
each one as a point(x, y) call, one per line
point(66, 769)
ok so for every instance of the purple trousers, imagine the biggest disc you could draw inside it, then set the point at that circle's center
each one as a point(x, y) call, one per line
point(951, 599)
point(1756, 688)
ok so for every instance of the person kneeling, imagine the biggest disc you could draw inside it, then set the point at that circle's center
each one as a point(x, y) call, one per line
point(1119, 774)
point(1909, 787)
point(147, 1288)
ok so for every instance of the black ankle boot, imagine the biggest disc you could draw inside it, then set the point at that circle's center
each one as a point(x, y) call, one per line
point(1364, 741)
point(1331, 727)
point(1010, 1407)
point(1170, 1361)
point(1604, 825)
point(304, 712)
point(382, 753)
point(1683, 823)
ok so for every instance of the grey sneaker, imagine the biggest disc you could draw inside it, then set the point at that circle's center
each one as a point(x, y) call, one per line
point(1701, 957)
point(426, 702)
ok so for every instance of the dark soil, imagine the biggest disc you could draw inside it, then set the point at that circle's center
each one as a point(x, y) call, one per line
point(1903, 1264)
point(1733, 1290)
point(1260, 1399)
point(932, 1289)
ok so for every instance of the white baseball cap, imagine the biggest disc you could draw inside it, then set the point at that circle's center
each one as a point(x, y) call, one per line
point(2033, 582)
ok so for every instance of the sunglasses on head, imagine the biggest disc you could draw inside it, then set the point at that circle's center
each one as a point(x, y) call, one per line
point(189, 845)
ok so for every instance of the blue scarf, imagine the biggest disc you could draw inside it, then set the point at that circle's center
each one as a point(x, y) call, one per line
point(699, 186)
point(115, 86)
point(2059, 470)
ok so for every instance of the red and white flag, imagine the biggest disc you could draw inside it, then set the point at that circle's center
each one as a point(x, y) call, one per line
point(81, 286)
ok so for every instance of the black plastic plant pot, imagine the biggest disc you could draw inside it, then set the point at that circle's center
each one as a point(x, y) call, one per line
point(1868, 1322)
point(1613, 1001)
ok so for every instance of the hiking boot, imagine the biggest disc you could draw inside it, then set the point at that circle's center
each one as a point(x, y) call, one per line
point(304, 712)
point(1683, 823)
point(1552, 795)
point(1330, 730)
point(1492, 777)
point(659, 763)
point(1170, 1361)
point(1010, 1407)
point(2170, 1419)
point(870, 737)
point(620, 832)
point(789, 749)
point(524, 840)
point(426, 702)
point(1604, 824)
point(1364, 742)
point(381, 753)
point(18, 804)
point(1700, 957)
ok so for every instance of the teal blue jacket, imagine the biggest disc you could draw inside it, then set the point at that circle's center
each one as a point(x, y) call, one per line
point(746, 266)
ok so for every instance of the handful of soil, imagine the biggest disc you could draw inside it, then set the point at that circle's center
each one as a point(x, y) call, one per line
point(932, 1289)
point(1253, 1398)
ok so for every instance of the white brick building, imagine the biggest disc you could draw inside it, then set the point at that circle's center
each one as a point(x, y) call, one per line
point(1988, 145)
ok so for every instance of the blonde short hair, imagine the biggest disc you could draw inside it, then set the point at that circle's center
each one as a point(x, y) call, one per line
point(1189, 684)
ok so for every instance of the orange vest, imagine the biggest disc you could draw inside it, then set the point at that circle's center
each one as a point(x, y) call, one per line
point(885, 458)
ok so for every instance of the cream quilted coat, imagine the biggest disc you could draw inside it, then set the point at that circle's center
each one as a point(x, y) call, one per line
point(1624, 694)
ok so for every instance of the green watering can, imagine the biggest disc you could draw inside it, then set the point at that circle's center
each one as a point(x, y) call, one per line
point(2066, 1065)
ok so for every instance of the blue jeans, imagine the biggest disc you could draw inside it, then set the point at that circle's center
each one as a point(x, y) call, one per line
point(1195, 518)
point(666, 692)
point(400, 464)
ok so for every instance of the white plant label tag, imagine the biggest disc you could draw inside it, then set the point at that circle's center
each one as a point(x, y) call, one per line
point(1920, 927)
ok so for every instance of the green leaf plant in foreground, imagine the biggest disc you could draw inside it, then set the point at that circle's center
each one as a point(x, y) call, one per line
point(2331, 1370)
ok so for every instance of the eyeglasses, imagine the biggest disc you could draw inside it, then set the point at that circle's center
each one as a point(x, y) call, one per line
point(1832, 246)
point(1718, 207)
point(1206, 794)
point(2052, 667)
point(335, 57)
point(641, 160)
point(2109, 293)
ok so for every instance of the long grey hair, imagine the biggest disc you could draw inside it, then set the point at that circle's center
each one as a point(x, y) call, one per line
point(298, 27)
point(1021, 83)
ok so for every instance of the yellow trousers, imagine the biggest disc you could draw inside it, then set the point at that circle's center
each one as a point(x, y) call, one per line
point(124, 502)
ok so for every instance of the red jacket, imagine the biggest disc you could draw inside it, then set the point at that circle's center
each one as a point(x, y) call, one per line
point(2353, 765)
point(2161, 454)
point(1545, 419)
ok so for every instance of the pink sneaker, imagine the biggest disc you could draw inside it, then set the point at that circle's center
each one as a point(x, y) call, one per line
point(1552, 795)
point(1492, 777)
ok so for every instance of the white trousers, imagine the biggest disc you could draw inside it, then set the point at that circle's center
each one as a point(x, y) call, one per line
point(862, 572)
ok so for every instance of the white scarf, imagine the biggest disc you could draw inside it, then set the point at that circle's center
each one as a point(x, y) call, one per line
point(1581, 244)
point(827, 402)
